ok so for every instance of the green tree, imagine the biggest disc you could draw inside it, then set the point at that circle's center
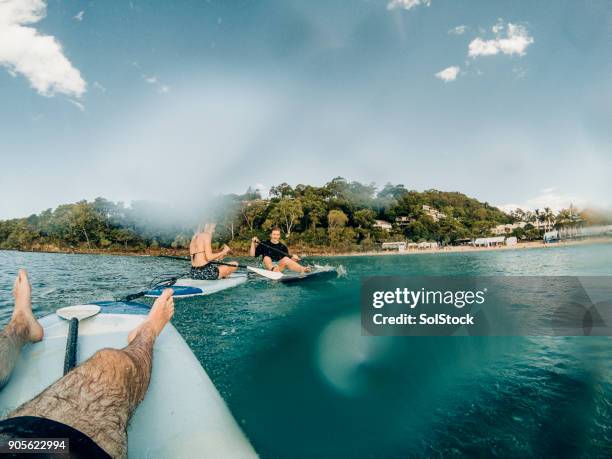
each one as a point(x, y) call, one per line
point(251, 211)
point(364, 218)
point(286, 213)
point(124, 235)
point(336, 219)
point(180, 242)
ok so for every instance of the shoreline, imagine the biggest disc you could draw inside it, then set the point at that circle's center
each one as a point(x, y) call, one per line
point(447, 249)
point(466, 249)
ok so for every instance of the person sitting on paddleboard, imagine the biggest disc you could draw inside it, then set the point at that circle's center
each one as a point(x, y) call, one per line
point(202, 255)
point(92, 404)
point(276, 254)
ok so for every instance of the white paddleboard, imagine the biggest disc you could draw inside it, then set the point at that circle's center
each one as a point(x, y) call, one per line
point(187, 287)
point(182, 415)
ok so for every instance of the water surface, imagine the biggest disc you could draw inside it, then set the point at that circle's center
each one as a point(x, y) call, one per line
point(303, 382)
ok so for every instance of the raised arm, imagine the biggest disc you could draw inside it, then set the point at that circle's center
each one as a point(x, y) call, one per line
point(211, 256)
point(208, 252)
point(252, 249)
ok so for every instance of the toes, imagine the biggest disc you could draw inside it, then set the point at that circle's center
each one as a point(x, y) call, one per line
point(167, 293)
point(23, 276)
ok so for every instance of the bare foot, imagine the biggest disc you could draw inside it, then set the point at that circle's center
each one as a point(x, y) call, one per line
point(306, 270)
point(22, 314)
point(160, 314)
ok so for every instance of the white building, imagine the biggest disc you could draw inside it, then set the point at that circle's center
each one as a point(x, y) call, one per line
point(489, 241)
point(382, 224)
point(403, 221)
point(501, 230)
point(399, 246)
point(433, 213)
point(551, 236)
point(427, 245)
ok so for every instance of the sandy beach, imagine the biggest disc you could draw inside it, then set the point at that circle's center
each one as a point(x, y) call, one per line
point(462, 249)
point(302, 252)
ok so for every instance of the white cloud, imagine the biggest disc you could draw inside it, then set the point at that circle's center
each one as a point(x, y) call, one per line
point(459, 30)
point(97, 85)
point(448, 74)
point(264, 190)
point(515, 40)
point(38, 57)
point(548, 197)
point(77, 104)
point(79, 16)
point(161, 88)
point(498, 27)
point(406, 4)
point(519, 72)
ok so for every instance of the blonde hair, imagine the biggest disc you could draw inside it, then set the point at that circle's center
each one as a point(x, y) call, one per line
point(206, 227)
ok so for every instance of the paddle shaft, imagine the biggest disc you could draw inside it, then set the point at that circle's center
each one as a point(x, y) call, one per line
point(229, 264)
point(70, 358)
point(212, 262)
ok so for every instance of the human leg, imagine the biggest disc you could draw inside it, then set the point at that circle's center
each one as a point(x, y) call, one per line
point(225, 270)
point(287, 262)
point(269, 264)
point(23, 327)
point(98, 397)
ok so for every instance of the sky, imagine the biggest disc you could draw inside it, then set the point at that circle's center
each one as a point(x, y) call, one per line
point(507, 101)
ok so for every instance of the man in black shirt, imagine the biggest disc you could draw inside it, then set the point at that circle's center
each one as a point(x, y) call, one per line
point(275, 254)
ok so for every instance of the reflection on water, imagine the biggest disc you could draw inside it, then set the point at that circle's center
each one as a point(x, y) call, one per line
point(303, 382)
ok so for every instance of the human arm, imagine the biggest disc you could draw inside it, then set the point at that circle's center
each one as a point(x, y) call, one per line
point(252, 249)
point(212, 256)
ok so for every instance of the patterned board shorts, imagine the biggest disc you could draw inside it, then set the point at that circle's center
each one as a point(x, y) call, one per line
point(206, 272)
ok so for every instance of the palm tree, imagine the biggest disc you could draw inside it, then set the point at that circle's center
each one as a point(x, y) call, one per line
point(549, 218)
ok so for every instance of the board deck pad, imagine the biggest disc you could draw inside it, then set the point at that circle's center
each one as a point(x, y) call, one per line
point(187, 287)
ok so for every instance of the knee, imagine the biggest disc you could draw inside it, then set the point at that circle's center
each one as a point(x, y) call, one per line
point(113, 358)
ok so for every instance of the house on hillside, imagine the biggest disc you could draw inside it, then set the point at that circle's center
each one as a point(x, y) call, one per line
point(501, 230)
point(403, 221)
point(382, 224)
point(435, 214)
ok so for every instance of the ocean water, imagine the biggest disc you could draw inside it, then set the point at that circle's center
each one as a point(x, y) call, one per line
point(302, 381)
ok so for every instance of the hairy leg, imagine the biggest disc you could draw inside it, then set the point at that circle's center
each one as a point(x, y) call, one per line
point(23, 327)
point(225, 270)
point(99, 396)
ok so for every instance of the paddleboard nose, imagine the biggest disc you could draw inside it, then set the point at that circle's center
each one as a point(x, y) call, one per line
point(79, 312)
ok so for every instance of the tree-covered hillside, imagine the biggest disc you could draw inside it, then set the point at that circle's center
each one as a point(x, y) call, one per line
point(338, 216)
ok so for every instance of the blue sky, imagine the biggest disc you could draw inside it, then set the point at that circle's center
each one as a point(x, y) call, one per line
point(507, 101)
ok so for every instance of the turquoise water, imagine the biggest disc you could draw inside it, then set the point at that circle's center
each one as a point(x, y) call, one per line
point(303, 382)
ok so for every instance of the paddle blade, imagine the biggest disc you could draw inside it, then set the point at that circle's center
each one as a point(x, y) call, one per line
point(272, 275)
point(80, 312)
